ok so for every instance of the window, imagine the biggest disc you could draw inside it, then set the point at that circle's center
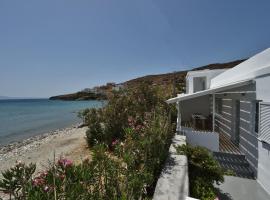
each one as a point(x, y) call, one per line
point(263, 122)
point(199, 84)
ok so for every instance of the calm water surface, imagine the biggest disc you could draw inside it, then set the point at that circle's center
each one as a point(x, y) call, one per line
point(20, 119)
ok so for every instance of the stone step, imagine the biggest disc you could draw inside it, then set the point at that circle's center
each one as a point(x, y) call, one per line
point(235, 163)
point(229, 155)
point(231, 159)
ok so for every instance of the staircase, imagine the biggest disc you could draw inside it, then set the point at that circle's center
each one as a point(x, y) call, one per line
point(235, 163)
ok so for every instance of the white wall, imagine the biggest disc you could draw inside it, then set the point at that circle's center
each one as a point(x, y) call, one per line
point(173, 182)
point(263, 88)
point(225, 122)
point(264, 166)
point(209, 140)
point(263, 94)
point(208, 74)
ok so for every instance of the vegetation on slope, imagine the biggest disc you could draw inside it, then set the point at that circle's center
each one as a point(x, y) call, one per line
point(79, 96)
point(171, 83)
point(129, 138)
point(203, 170)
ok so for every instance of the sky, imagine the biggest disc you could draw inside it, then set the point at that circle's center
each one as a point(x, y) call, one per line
point(59, 46)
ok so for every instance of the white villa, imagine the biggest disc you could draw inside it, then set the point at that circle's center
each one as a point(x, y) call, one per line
point(228, 111)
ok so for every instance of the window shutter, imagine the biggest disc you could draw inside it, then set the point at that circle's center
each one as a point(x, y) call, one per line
point(264, 122)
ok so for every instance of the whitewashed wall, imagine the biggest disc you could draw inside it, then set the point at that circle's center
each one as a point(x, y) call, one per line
point(225, 121)
point(173, 182)
point(263, 90)
point(209, 140)
point(263, 94)
point(264, 166)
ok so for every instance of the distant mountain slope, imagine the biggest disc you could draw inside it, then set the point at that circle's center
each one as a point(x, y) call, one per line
point(79, 96)
point(170, 82)
point(220, 65)
point(5, 97)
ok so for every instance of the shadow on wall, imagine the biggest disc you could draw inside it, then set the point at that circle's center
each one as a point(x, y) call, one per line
point(266, 146)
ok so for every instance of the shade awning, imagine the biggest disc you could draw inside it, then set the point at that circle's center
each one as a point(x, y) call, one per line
point(183, 97)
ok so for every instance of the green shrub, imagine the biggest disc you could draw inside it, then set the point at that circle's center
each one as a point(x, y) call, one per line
point(16, 179)
point(95, 132)
point(129, 137)
point(204, 171)
point(109, 123)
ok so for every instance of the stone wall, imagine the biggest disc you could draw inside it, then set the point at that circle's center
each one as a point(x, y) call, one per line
point(173, 183)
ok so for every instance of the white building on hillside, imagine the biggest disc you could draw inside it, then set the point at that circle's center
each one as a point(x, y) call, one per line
point(234, 106)
point(200, 80)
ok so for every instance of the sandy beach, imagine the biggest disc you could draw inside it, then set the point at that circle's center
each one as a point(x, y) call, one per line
point(68, 142)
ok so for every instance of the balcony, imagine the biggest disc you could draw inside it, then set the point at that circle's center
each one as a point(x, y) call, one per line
point(198, 132)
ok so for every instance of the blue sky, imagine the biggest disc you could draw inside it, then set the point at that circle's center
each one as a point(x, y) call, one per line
point(58, 46)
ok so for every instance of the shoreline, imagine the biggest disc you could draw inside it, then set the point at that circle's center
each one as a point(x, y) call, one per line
point(5, 148)
point(40, 149)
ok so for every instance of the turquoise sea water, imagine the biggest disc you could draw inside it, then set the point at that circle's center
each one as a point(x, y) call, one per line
point(20, 119)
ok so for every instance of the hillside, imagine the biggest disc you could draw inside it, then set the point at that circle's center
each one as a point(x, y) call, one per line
point(79, 96)
point(165, 81)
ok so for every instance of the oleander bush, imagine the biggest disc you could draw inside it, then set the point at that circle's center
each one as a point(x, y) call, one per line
point(129, 137)
point(204, 171)
point(108, 124)
point(16, 180)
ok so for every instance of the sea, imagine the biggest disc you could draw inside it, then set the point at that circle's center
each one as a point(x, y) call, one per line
point(23, 118)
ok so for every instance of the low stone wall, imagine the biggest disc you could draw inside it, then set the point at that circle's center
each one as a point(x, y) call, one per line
point(173, 183)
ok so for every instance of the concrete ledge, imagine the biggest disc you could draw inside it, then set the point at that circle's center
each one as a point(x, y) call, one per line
point(173, 182)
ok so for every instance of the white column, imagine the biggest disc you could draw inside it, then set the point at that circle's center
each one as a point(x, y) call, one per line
point(213, 112)
point(178, 126)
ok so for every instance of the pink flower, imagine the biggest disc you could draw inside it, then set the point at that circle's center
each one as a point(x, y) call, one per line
point(46, 189)
point(138, 127)
point(43, 174)
point(114, 142)
point(130, 119)
point(65, 162)
point(62, 176)
point(38, 181)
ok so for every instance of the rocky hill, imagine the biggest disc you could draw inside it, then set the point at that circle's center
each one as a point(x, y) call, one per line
point(170, 83)
point(79, 96)
point(177, 79)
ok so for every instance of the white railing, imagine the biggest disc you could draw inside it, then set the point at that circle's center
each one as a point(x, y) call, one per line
point(207, 139)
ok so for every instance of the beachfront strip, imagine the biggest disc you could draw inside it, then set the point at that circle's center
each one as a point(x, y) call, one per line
point(228, 112)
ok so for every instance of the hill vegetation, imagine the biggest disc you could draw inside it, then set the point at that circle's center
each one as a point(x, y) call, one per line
point(171, 83)
point(80, 96)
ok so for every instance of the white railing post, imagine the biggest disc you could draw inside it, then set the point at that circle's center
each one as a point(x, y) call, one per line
point(213, 112)
point(178, 126)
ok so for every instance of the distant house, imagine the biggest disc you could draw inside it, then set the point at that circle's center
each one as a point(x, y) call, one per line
point(88, 90)
point(234, 106)
point(118, 87)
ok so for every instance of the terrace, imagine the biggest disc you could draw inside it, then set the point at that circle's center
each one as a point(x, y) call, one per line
point(198, 132)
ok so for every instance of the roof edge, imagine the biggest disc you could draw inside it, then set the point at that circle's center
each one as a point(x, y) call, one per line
point(208, 91)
